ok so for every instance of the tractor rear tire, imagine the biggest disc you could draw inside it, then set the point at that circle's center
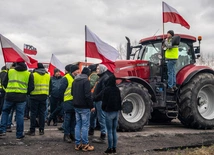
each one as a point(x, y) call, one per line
point(196, 102)
point(136, 107)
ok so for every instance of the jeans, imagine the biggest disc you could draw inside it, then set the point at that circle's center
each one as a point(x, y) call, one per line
point(101, 116)
point(111, 124)
point(37, 108)
point(171, 73)
point(93, 119)
point(55, 108)
point(10, 117)
point(46, 110)
point(20, 108)
point(69, 118)
point(27, 107)
point(82, 125)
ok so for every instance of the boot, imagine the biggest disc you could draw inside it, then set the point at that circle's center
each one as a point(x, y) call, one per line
point(72, 137)
point(101, 139)
point(103, 136)
point(91, 132)
point(48, 122)
point(67, 138)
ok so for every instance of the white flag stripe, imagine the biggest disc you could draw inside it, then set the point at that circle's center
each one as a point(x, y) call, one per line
point(55, 62)
point(6, 43)
point(103, 48)
point(167, 8)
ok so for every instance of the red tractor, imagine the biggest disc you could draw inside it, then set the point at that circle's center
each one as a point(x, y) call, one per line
point(142, 79)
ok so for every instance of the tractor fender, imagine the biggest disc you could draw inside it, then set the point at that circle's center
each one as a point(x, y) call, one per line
point(143, 82)
point(188, 72)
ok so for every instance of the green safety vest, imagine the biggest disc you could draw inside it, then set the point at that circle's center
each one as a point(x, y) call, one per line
point(17, 81)
point(41, 84)
point(67, 93)
point(172, 53)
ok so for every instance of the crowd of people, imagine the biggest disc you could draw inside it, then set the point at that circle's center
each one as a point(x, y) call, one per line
point(84, 99)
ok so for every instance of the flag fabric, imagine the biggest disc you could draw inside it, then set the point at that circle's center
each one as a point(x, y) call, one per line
point(12, 53)
point(29, 49)
point(55, 63)
point(171, 15)
point(96, 48)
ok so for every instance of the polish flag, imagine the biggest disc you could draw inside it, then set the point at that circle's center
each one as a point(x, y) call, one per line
point(171, 15)
point(29, 49)
point(96, 48)
point(12, 53)
point(55, 63)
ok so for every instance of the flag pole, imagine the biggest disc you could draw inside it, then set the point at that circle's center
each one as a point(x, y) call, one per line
point(85, 43)
point(163, 18)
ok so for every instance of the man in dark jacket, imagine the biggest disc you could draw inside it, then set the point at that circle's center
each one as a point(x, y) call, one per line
point(18, 83)
point(38, 99)
point(65, 93)
point(81, 92)
point(103, 74)
point(55, 101)
point(2, 89)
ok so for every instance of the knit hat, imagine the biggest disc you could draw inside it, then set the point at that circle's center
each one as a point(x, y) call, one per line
point(68, 67)
point(56, 70)
point(171, 32)
point(40, 65)
point(3, 68)
point(73, 68)
point(86, 71)
point(93, 67)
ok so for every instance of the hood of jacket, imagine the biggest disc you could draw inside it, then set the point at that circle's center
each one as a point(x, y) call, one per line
point(41, 71)
point(20, 66)
point(81, 77)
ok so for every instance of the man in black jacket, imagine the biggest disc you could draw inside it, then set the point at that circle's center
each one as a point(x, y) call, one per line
point(103, 74)
point(2, 89)
point(55, 101)
point(18, 83)
point(81, 92)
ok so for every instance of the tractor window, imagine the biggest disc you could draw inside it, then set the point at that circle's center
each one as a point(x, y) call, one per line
point(185, 56)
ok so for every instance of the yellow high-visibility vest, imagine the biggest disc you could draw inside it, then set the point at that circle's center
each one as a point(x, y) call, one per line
point(17, 81)
point(67, 94)
point(172, 53)
point(41, 84)
point(1, 85)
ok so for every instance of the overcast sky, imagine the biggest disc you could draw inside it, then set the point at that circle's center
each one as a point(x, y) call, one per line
point(57, 26)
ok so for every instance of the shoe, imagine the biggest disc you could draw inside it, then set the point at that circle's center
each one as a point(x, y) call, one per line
point(87, 147)
point(108, 151)
point(20, 138)
point(170, 90)
point(55, 124)
point(67, 138)
point(72, 137)
point(3, 134)
point(99, 140)
point(30, 133)
point(175, 88)
point(41, 132)
point(103, 136)
point(48, 122)
point(25, 118)
point(78, 147)
point(9, 129)
point(60, 128)
point(114, 150)
point(91, 132)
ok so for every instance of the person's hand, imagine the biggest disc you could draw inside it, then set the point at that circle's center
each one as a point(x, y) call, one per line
point(93, 110)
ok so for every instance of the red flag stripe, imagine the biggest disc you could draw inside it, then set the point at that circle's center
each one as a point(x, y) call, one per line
point(31, 52)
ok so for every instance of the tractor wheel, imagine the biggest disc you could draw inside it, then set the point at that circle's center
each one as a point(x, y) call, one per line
point(196, 102)
point(136, 107)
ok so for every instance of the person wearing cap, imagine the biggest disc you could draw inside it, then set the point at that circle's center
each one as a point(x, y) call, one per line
point(55, 101)
point(38, 99)
point(171, 55)
point(18, 82)
point(65, 93)
point(83, 104)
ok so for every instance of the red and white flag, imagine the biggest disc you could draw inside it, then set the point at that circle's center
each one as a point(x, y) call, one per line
point(96, 48)
point(12, 53)
point(29, 49)
point(55, 63)
point(171, 15)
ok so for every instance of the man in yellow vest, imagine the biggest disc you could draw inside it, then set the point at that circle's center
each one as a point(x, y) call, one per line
point(65, 92)
point(18, 83)
point(38, 99)
point(171, 55)
point(2, 89)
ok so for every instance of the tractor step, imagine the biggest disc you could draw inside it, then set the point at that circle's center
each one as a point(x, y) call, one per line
point(172, 114)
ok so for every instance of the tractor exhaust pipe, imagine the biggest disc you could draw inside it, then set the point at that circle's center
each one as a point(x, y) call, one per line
point(129, 49)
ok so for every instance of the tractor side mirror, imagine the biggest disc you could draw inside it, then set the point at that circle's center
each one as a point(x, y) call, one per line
point(197, 52)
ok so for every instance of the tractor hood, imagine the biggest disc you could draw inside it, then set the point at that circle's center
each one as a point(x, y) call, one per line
point(139, 68)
